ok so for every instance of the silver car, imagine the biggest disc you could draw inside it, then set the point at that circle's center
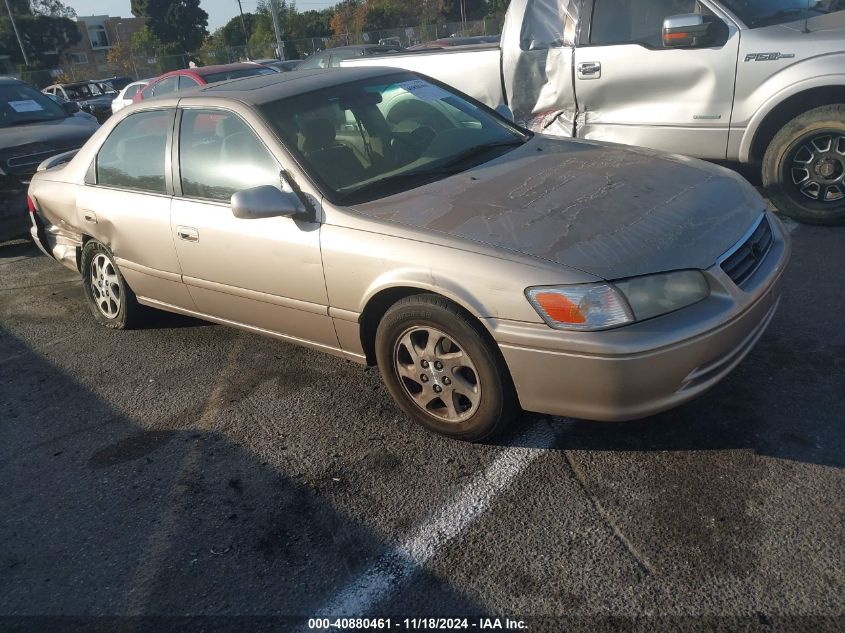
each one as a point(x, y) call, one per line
point(388, 219)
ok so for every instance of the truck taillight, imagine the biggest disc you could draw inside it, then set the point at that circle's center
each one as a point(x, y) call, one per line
point(30, 204)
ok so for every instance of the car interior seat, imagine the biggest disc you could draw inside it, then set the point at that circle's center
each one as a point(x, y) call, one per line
point(337, 163)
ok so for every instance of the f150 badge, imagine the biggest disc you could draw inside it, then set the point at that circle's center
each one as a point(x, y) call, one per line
point(768, 57)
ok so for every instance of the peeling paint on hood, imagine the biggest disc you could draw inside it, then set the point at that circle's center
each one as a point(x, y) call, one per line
point(607, 210)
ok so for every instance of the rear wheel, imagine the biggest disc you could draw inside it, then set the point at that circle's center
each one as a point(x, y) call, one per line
point(441, 370)
point(111, 300)
point(804, 166)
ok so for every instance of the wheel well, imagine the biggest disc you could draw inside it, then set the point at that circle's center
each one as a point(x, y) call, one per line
point(380, 303)
point(788, 110)
point(375, 309)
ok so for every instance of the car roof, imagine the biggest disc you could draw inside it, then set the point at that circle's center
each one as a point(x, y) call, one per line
point(6, 81)
point(265, 88)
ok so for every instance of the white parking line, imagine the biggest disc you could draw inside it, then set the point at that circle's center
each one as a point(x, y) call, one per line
point(469, 503)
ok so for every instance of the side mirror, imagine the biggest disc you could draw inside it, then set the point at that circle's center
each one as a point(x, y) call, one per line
point(70, 107)
point(505, 112)
point(266, 201)
point(688, 30)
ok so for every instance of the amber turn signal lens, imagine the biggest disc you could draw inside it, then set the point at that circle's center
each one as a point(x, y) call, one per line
point(559, 308)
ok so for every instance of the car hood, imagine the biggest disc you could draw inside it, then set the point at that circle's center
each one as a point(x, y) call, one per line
point(604, 209)
point(19, 142)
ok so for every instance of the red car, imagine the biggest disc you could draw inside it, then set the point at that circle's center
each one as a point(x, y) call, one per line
point(177, 80)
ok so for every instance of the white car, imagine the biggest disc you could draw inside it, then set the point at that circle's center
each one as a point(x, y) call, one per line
point(124, 97)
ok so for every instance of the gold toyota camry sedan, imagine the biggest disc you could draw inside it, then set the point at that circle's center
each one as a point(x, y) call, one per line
point(391, 220)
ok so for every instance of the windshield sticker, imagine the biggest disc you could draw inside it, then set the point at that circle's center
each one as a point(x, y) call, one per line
point(27, 105)
point(423, 90)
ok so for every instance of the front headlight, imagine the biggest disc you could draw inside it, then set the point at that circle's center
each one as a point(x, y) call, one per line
point(586, 307)
point(602, 306)
point(653, 295)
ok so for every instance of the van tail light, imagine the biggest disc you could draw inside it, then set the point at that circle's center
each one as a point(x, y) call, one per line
point(30, 205)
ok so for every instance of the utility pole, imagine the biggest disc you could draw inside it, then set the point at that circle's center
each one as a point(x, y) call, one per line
point(17, 35)
point(463, 19)
point(243, 23)
point(277, 29)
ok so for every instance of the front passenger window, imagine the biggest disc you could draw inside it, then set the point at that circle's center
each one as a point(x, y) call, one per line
point(133, 156)
point(636, 21)
point(219, 155)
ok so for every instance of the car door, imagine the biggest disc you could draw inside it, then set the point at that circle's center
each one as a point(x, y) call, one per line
point(630, 89)
point(265, 273)
point(125, 204)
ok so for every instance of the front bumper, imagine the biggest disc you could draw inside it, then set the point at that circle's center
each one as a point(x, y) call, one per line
point(648, 367)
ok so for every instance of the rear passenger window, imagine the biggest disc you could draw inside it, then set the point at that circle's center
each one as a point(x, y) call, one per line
point(132, 157)
point(165, 86)
point(219, 155)
point(186, 82)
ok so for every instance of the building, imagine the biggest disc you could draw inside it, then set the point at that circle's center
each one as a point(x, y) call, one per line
point(87, 58)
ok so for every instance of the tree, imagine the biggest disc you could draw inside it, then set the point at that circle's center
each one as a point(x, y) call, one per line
point(120, 56)
point(145, 42)
point(180, 23)
point(52, 8)
point(45, 37)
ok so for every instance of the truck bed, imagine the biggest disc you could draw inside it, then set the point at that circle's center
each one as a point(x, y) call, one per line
point(474, 68)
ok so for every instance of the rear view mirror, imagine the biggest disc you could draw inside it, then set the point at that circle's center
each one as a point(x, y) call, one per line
point(266, 201)
point(689, 30)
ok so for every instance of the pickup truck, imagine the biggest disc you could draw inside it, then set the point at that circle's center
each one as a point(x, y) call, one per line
point(759, 82)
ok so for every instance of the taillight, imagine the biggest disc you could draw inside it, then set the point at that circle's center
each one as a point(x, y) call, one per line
point(30, 204)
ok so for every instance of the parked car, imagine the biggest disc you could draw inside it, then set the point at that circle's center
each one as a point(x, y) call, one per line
point(760, 82)
point(91, 96)
point(32, 129)
point(127, 93)
point(480, 266)
point(284, 66)
point(72, 107)
point(177, 80)
point(117, 83)
point(332, 57)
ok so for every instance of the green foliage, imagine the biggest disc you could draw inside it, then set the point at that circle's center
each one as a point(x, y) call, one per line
point(182, 24)
point(52, 8)
point(44, 36)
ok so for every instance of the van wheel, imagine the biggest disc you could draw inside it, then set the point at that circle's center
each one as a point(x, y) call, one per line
point(441, 371)
point(109, 296)
point(804, 166)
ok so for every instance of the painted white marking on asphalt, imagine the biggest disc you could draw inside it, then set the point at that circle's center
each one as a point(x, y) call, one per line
point(442, 526)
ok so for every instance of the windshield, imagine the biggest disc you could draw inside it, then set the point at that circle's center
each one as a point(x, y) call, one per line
point(237, 74)
point(20, 103)
point(82, 92)
point(369, 139)
point(769, 12)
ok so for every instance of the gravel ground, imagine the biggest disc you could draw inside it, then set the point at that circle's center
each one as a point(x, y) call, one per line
point(187, 469)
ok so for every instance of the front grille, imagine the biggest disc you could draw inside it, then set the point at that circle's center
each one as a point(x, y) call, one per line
point(743, 261)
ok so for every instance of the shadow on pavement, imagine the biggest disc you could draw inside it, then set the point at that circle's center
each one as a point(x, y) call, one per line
point(105, 516)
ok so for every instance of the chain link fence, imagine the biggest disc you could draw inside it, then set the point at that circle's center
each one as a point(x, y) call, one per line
point(143, 65)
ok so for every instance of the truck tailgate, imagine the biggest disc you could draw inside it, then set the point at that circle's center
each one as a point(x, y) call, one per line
point(475, 70)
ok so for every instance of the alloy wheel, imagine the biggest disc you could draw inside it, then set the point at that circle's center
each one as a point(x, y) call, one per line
point(105, 286)
point(817, 167)
point(437, 374)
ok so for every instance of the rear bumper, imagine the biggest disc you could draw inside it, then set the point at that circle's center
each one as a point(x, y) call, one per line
point(648, 367)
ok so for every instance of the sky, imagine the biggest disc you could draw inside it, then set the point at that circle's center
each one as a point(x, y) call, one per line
point(219, 11)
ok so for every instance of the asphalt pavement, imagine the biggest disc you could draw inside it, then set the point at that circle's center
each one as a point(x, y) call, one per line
point(188, 469)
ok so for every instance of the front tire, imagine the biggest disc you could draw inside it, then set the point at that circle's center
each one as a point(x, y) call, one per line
point(109, 297)
point(804, 166)
point(442, 372)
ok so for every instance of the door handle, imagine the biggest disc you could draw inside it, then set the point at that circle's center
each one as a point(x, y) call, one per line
point(89, 216)
point(589, 70)
point(188, 233)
